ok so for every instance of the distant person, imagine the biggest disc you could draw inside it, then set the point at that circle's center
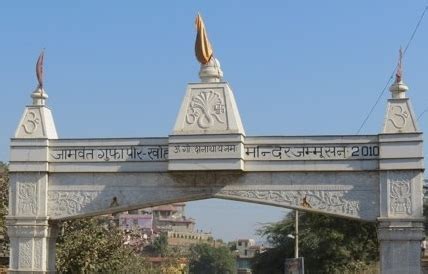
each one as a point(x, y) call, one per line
point(423, 246)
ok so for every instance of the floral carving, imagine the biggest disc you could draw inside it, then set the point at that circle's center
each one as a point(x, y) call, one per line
point(205, 108)
point(27, 199)
point(401, 196)
point(25, 252)
point(329, 201)
point(38, 253)
point(68, 203)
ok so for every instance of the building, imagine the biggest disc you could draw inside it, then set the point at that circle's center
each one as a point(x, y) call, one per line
point(169, 219)
point(246, 250)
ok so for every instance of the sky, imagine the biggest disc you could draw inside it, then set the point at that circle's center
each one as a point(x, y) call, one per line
point(120, 69)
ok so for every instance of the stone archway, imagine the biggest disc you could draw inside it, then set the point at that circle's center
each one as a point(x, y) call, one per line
point(376, 178)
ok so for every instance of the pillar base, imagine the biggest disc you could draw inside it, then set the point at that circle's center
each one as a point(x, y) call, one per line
point(400, 246)
point(32, 245)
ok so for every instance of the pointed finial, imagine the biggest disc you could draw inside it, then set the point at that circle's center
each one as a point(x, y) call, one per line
point(399, 73)
point(39, 69)
point(39, 95)
point(210, 66)
point(399, 88)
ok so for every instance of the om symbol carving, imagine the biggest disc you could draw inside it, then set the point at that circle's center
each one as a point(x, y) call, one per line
point(399, 118)
point(31, 123)
point(205, 108)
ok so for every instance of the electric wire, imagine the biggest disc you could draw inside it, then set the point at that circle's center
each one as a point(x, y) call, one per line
point(422, 113)
point(395, 68)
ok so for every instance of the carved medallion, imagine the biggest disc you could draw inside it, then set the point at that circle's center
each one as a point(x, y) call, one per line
point(206, 108)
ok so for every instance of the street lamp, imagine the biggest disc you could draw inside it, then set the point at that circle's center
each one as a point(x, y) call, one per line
point(296, 235)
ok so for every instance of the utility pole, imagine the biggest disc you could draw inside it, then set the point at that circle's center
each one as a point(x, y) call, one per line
point(296, 237)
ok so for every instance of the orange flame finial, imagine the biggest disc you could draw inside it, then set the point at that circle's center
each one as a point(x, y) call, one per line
point(203, 49)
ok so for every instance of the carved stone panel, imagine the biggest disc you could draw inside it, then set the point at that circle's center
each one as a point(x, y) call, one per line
point(27, 198)
point(327, 201)
point(25, 253)
point(399, 117)
point(69, 203)
point(31, 125)
point(38, 253)
point(400, 194)
point(207, 110)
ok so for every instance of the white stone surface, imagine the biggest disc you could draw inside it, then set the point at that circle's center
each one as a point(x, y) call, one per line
point(400, 117)
point(37, 120)
point(371, 177)
point(350, 194)
point(401, 194)
point(211, 71)
point(208, 108)
point(400, 246)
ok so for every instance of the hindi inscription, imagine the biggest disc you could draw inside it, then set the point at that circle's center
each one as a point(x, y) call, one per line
point(267, 152)
point(311, 152)
point(106, 154)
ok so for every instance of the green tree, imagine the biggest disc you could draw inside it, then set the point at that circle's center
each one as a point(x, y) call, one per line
point(204, 258)
point(328, 244)
point(90, 245)
point(160, 245)
point(4, 195)
point(425, 208)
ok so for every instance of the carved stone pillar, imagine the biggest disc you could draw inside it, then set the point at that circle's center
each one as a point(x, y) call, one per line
point(32, 245)
point(400, 227)
point(32, 238)
point(400, 246)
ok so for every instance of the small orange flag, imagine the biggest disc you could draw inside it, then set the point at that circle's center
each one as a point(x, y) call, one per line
point(203, 49)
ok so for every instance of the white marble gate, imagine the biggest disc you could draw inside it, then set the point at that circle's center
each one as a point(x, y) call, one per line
point(375, 178)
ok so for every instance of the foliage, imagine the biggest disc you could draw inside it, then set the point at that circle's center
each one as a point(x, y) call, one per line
point(207, 259)
point(91, 245)
point(160, 245)
point(328, 244)
point(426, 215)
point(4, 194)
